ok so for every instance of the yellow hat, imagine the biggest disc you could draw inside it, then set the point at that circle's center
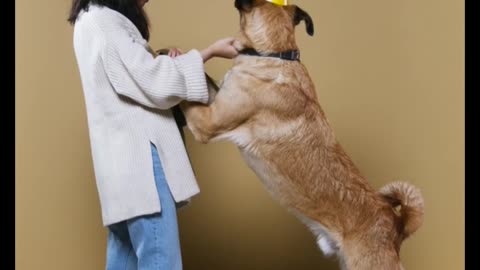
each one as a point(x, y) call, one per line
point(279, 2)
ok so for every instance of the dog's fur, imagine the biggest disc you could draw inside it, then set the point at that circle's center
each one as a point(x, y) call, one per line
point(268, 107)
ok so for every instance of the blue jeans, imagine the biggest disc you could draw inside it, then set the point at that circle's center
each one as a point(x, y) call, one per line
point(147, 242)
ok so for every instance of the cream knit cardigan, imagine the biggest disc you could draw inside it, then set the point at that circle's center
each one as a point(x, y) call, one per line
point(128, 95)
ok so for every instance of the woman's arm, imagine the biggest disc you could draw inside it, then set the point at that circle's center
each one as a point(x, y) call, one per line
point(160, 82)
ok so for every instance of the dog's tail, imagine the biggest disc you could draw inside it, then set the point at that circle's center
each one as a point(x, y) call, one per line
point(410, 200)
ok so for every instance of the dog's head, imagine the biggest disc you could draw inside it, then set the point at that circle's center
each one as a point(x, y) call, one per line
point(269, 27)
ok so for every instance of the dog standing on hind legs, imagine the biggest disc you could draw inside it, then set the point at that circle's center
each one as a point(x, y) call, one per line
point(268, 107)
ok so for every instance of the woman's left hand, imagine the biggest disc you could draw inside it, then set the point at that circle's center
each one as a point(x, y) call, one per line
point(174, 52)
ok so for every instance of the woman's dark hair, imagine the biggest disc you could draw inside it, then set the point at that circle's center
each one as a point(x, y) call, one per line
point(129, 8)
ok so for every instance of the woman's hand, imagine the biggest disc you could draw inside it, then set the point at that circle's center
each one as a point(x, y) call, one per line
point(222, 48)
point(174, 52)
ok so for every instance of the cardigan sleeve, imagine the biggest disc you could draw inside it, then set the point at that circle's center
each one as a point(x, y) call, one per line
point(160, 82)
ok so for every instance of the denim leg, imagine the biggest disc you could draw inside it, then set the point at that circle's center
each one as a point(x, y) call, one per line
point(120, 253)
point(155, 238)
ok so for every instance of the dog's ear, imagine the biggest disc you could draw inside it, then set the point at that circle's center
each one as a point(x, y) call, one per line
point(244, 5)
point(301, 15)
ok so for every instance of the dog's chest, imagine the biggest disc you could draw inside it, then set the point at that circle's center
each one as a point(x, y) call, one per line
point(279, 188)
point(258, 165)
point(268, 175)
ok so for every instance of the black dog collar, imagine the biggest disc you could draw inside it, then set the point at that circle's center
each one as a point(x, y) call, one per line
point(288, 55)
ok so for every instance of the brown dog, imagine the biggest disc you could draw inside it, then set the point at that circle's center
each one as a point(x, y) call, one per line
point(268, 107)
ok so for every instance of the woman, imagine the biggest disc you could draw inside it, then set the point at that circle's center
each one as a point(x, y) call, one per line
point(141, 166)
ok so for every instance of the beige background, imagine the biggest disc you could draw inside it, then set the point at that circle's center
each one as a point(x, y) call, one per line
point(389, 75)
